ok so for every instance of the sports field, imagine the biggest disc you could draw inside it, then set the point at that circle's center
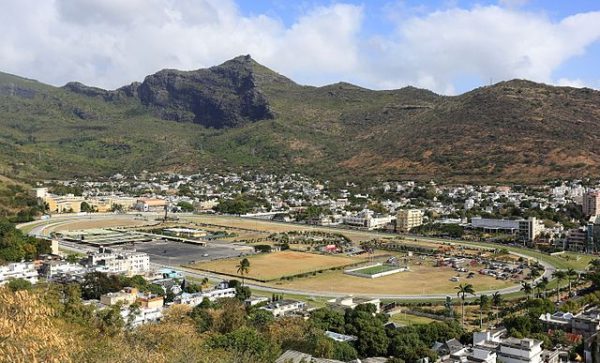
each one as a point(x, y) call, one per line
point(420, 280)
point(273, 266)
point(372, 270)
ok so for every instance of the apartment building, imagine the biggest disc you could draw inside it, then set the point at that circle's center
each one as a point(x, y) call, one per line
point(591, 203)
point(18, 270)
point(126, 262)
point(368, 219)
point(513, 350)
point(530, 228)
point(406, 219)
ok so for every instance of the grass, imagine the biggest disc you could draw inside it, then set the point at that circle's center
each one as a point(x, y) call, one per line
point(273, 266)
point(372, 270)
point(409, 319)
point(578, 261)
point(420, 280)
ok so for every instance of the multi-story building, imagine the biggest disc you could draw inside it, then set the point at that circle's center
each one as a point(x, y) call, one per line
point(18, 270)
point(593, 234)
point(368, 219)
point(63, 204)
point(530, 228)
point(577, 239)
point(406, 219)
point(513, 350)
point(126, 262)
point(591, 203)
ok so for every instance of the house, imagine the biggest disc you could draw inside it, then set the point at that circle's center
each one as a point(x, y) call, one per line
point(150, 301)
point(127, 296)
point(219, 292)
point(292, 356)
point(53, 268)
point(471, 355)
point(151, 205)
point(255, 300)
point(340, 337)
point(284, 307)
point(352, 302)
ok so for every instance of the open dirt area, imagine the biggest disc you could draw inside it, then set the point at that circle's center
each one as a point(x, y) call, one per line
point(275, 265)
point(424, 279)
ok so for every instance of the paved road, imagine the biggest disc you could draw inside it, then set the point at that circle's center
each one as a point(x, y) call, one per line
point(174, 262)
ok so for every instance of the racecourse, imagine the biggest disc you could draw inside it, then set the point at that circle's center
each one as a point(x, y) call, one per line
point(418, 284)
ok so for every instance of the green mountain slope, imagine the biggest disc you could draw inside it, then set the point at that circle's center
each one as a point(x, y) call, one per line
point(243, 115)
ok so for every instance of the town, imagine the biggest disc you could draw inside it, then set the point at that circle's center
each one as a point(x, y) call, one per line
point(292, 247)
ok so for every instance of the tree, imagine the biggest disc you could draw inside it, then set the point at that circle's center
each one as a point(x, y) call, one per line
point(73, 258)
point(572, 275)
point(484, 301)
point(19, 284)
point(97, 283)
point(526, 288)
point(116, 208)
point(260, 319)
point(247, 345)
point(328, 319)
point(541, 286)
point(243, 268)
point(30, 330)
point(559, 275)
point(86, 207)
point(185, 206)
point(463, 290)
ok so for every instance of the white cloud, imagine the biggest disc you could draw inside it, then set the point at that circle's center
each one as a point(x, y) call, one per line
point(109, 43)
point(485, 42)
point(571, 82)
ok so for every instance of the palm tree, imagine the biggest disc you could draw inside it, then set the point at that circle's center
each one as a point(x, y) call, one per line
point(541, 286)
point(463, 290)
point(497, 301)
point(484, 300)
point(559, 275)
point(535, 273)
point(526, 288)
point(572, 275)
point(243, 268)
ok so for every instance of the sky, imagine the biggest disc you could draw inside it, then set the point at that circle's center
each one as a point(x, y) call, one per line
point(448, 46)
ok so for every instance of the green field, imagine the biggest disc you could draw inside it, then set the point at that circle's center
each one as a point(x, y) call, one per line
point(372, 270)
point(409, 319)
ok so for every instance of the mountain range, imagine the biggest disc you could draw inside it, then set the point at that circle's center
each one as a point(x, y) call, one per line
point(242, 115)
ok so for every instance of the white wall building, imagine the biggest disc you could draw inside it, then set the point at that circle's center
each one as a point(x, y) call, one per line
point(514, 350)
point(284, 307)
point(127, 262)
point(212, 295)
point(407, 219)
point(18, 270)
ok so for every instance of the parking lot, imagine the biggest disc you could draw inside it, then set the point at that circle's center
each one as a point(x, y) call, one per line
point(176, 253)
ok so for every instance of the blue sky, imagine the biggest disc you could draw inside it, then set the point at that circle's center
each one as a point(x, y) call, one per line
point(378, 22)
point(449, 46)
